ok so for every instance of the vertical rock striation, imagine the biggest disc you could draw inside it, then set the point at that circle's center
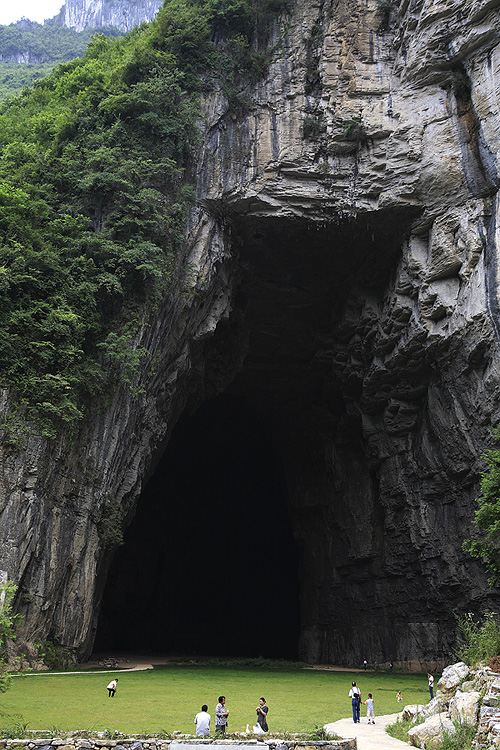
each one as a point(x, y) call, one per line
point(343, 279)
point(122, 14)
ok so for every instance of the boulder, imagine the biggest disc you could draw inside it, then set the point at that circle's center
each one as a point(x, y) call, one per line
point(435, 706)
point(409, 712)
point(429, 734)
point(464, 707)
point(468, 686)
point(453, 676)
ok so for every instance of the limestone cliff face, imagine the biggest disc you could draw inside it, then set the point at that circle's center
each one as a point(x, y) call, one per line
point(343, 278)
point(122, 14)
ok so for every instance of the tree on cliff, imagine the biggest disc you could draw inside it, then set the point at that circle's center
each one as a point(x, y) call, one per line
point(7, 630)
point(487, 517)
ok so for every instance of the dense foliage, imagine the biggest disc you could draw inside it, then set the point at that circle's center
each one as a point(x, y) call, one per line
point(94, 195)
point(7, 629)
point(42, 47)
point(487, 517)
point(14, 77)
point(478, 640)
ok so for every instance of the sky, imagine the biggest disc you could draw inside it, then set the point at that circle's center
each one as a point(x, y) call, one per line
point(35, 10)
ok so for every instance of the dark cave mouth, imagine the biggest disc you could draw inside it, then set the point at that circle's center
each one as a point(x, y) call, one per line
point(209, 565)
point(201, 572)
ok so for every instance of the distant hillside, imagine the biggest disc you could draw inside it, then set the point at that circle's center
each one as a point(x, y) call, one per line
point(122, 14)
point(29, 51)
point(30, 42)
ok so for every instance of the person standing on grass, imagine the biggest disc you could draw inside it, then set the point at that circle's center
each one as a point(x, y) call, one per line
point(221, 714)
point(399, 696)
point(112, 688)
point(262, 710)
point(202, 721)
point(370, 711)
point(355, 696)
point(430, 678)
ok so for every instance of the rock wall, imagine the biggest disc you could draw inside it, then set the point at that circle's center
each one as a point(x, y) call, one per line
point(76, 742)
point(122, 14)
point(343, 278)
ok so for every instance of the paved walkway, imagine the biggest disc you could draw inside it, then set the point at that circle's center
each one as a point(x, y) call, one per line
point(369, 736)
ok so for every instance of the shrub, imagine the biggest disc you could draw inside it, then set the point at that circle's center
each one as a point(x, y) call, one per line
point(313, 126)
point(399, 730)
point(354, 130)
point(461, 739)
point(487, 517)
point(384, 10)
point(7, 629)
point(478, 641)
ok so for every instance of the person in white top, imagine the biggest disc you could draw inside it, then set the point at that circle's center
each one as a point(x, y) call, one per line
point(111, 688)
point(202, 721)
point(370, 710)
point(355, 696)
point(431, 684)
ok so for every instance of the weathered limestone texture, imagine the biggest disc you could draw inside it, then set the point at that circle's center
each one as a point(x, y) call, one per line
point(472, 702)
point(343, 278)
point(122, 14)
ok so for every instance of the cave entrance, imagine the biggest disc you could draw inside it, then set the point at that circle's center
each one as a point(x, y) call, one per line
point(209, 565)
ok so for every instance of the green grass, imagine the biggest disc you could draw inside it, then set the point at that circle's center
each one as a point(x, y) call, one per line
point(167, 698)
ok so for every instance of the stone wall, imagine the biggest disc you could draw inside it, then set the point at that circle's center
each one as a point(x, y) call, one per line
point(73, 742)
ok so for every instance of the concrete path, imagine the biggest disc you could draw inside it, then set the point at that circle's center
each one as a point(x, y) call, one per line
point(369, 736)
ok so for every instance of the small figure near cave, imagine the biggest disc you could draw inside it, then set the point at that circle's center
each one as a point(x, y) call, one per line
point(202, 721)
point(221, 714)
point(431, 684)
point(262, 711)
point(112, 688)
point(370, 711)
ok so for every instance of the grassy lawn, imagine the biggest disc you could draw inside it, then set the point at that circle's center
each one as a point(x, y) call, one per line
point(167, 698)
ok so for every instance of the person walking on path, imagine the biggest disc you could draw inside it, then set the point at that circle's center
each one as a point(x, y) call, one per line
point(202, 721)
point(355, 696)
point(221, 714)
point(262, 711)
point(431, 684)
point(112, 688)
point(370, 711)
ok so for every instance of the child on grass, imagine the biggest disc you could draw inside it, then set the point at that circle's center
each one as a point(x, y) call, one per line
point(370, 711)
point(399, 697)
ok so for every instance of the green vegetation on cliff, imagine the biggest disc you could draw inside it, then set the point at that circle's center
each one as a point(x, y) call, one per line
point(7, 630)
point(486, 547)
point(95, 191)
